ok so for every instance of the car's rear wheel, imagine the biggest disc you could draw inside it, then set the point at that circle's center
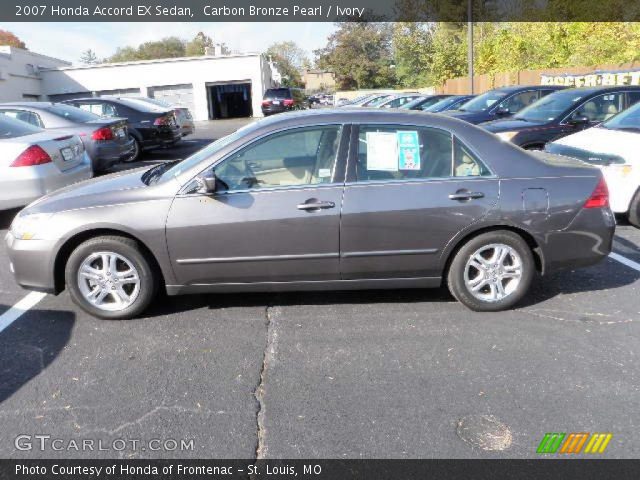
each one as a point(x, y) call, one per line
point(634, 210)
point(135, 154)
point(109, 277)
point(492, 272)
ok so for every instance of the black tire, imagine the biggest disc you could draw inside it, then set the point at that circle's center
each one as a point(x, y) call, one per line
point(456, 274)
point(137, 152)
point(634, 210)
point(127, 248)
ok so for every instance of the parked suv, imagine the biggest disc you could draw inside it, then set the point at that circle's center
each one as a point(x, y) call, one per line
point(150, 126)
point(278, 100)
point(563, 113)
point(501, 102)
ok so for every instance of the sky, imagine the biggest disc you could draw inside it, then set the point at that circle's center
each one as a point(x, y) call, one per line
point(67, 41)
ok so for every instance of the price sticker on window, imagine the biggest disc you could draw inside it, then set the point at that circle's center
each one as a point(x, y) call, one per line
point(408, 150)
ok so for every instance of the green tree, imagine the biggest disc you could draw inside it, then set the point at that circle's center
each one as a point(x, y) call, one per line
point(89, 57)
point(360, 54)
point(168, 47)
point(198, 45)
point(413, 50)
point(8, 38)
point(290, 60)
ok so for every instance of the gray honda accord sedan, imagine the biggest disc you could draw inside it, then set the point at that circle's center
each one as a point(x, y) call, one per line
point(320, 200)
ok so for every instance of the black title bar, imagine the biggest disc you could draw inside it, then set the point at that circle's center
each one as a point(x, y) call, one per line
point(319, 469)
point(317, 10)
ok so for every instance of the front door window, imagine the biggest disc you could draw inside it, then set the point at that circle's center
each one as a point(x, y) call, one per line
point(303, 156)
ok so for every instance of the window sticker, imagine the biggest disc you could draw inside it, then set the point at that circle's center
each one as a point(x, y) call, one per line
point(408, 150)
point(382, 151)
point(324, 172)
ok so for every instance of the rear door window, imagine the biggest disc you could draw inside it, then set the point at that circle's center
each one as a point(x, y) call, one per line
point(407, 152)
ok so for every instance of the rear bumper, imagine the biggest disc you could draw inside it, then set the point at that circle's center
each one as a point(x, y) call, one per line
point(31, 262)
point(586, 241)
point(270, 110)
point(23, 185)
point(106, 155)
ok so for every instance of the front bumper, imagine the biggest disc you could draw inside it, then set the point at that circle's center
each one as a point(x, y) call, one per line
point(32, 263)
point(26, 184)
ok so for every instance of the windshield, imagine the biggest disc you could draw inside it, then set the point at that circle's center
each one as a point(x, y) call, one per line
point(626, 120)
point(72, 114)
point(483, 102)
point(442, 104)
point(11, 128)
point(196, 158)
point(277, 93)
point(550, 107)
point(375, 101)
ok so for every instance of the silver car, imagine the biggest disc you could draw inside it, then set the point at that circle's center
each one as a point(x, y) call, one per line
point(323, 199)
point(34, 162)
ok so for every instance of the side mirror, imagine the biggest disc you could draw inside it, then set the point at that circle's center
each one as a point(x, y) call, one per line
point(502, 111)
point(578, 119)
point(208, 183)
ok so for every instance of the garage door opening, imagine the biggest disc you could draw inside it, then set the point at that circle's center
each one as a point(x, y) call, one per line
point(230, 100)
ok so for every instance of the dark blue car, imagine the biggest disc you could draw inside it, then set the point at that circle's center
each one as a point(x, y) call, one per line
point(501, 103)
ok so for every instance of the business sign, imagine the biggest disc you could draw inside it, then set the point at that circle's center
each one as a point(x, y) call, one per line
point(594, 79)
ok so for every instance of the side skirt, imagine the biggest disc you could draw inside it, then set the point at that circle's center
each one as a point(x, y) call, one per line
point(360, 284)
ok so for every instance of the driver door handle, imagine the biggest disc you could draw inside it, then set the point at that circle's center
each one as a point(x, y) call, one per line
point(313, 204)
point(465, 195)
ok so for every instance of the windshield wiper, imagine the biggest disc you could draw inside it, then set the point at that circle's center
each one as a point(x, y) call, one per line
point(631, 129)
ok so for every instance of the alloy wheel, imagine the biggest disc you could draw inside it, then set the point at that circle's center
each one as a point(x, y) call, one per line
point(493, 272)
point(109, 281)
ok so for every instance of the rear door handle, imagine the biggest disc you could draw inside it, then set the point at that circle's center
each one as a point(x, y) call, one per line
point(313, 204)
point(465, 195)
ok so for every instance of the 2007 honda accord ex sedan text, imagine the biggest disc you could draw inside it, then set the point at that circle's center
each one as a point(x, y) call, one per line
point(320, 200)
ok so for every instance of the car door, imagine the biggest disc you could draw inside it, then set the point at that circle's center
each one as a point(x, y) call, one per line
point(410, 190)
point(277, 218)
point(593, 110)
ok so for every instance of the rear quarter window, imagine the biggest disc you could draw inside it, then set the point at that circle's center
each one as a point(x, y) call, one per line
point(11, 128)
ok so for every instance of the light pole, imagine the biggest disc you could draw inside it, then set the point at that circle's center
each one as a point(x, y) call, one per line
point(470, 42)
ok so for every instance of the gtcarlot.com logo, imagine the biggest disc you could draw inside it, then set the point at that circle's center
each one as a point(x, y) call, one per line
point(574, 442)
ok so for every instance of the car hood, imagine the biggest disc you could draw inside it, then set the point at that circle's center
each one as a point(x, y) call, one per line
point(114, 189)
point(603, 140)
point(508, 125)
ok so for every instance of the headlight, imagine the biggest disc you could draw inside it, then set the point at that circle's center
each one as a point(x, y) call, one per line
point(30, 227)
point(506, 136)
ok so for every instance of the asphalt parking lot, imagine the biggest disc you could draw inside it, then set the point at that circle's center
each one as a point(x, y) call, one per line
point(385, 374)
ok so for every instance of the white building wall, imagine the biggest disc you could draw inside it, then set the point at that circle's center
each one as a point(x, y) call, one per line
point(19, 72)
point(198, 71)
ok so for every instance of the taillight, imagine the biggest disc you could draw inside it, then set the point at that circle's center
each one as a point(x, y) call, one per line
point(288, 103)
point(266, 103)
point(104, 133)
point(162, 121)
point(32, 156)
point(600, 196)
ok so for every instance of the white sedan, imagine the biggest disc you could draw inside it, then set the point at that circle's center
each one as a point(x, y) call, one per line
point(34, 162)
point(614, 147)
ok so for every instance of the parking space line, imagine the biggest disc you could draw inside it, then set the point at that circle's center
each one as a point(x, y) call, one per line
point(625, 261)
point(20, 308)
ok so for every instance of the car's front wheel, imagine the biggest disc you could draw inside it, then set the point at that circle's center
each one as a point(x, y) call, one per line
point(109, 277)
point(492, 272)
